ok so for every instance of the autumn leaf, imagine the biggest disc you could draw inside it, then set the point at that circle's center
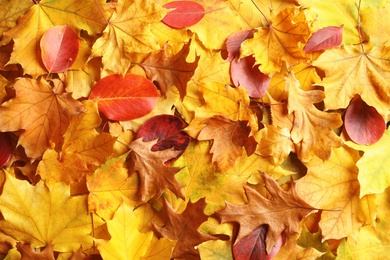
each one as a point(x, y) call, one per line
point(282, 213)
point(309, 121)
point(170, 70)
point(229, 137)
point(183, 228)
point(60, 46)
point(350, 71)
point(6, 149)
point(184, 14)
point(40, 215)
point(363, 124)
point(125, 98)
point(126, 241)
point(325, 38)
point(278, 44)
point(11, 11)
point(127, 32)
point(345, 210)
point(43, 112)
point(28, 253)
point(152, 169)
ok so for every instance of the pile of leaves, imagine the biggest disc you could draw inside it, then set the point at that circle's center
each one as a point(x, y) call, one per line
point(203, 129)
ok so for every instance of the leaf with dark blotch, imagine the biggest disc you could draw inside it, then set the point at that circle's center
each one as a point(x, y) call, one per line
point(184, 228)
point(325, 38)
point(363, 123)
point(167, 130)
point(245, 73)
point(60, 46)
point(125, 98)
point(184, 14)
point(6, 149)
point(170, 70)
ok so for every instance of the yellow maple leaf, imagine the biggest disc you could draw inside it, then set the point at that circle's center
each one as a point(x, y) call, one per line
point(42, 214)
point(83, 149)
point(373, 166)
point(126, 241)
point(128, 32)
point(280, 42)
point(312, 129)
point(42, 111)
point(349, 71)
point(44, 15)
point(334, 187)
point(374, 25)
point(10, 12)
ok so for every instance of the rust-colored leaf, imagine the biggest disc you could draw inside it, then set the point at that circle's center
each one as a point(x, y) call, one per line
point(6, 149)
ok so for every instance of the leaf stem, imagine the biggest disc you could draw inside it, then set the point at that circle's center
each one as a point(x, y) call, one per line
point(359, 27)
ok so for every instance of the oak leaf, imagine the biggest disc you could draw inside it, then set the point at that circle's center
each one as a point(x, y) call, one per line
point(152, 169)
point(337, 192)
point(41, 17)
point(127, 32)
point(228, 139)
point(83, 150)
point(40, 215)
point(350, 71)
point(312, 128)
point(126, 242)
point(170, 70)
point(279, 43)
point(282, 212)
point(109, 186)
point(184, 228)
point(42, 111)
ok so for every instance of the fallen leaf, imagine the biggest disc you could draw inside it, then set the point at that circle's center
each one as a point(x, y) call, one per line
point(229, 137)
point(252, 246)
point(125, 98)
point(183, 228)
point(170, 70)
point(184, 14)
point(28, 253)
point(152, 169)
point(282, 213)
point(41, 215)
point(126, 241)
point(41, 111)
point(325, 38)
point(363, 124)
point(60, 46)
point(233, 43)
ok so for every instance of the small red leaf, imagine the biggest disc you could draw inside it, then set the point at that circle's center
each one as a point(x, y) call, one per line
point(185, 14)
point(363, 123)
point(125, 98)
point(325, 38)
point(167, 129)
point(245, 73)
point(252, 246)
point(6, 149)
point(233, 43)
point(59, 46)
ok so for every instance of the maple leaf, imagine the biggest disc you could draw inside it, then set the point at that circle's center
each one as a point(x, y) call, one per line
point(183, 228)
point(41, 17)
point(40, 215)
point(42, 111)
point(83, 149)
point(127, 32)
point(350, 71)
point(282, 213)
point(126, 241)
point(272, 46)
point(151, 169)
point(11, 11)
point(371, 22)
point(337, 192)
point(228, 139)
point(312, 128)
point(170, 70)
point(109, 186)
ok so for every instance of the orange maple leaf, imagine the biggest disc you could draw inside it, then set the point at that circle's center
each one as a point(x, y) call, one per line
point(41, 111)
point(152, 169)
point(283, 212)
